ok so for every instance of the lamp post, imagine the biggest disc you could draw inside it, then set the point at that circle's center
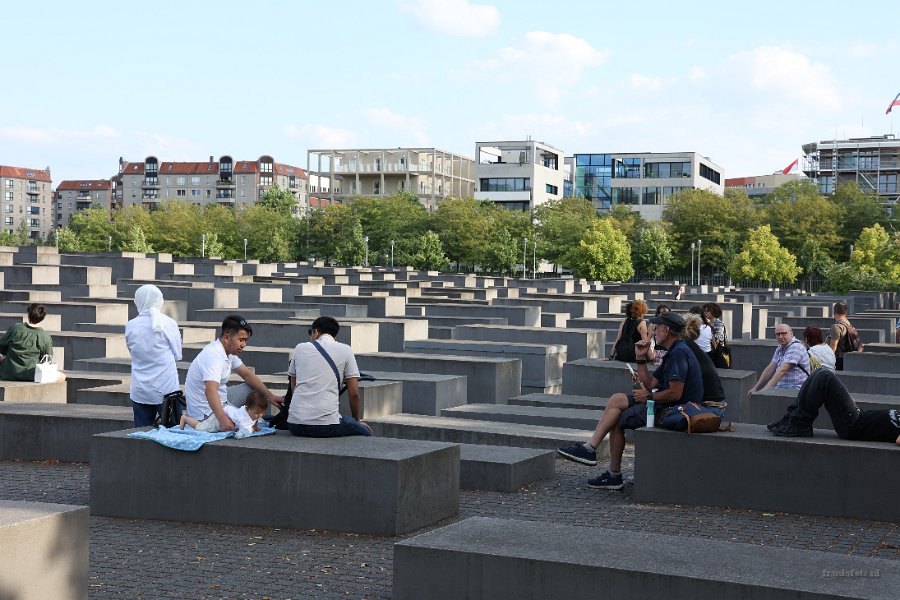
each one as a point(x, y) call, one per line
point(245, 248)
point(692, 263)
point(109, 244)
point(392, 254)
point(366, 240)
point(524, 251)
point(203, 245)
point(534, 258)
point(699, 244)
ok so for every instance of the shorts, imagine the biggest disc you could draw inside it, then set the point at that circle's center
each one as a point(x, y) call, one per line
point(210, 424)
point(635, 416)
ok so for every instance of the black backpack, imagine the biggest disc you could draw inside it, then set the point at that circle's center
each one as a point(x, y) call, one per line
point(624, 350)
point(850, 341)
point(279, 421)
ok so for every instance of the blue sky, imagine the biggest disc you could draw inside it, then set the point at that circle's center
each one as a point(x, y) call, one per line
point(89, 82)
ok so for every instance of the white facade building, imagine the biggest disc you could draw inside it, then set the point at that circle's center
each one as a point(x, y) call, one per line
point(519, 175)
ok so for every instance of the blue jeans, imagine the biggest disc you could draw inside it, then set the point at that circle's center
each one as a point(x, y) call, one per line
point(347, 427)
point(145, 415)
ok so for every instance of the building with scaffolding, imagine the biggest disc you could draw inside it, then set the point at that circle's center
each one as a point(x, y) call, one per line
point(872, 162)
point(431, 174)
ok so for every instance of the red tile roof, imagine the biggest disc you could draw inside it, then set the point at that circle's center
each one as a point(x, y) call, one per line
point(22, 173)
point(189, 168)
point(288, 170)
point(245, 166)
point(133, 168)
point(84, 184)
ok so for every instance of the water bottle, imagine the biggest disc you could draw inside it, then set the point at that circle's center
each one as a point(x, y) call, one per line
point(651, 413)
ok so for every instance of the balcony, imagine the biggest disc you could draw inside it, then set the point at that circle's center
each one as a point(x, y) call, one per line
point(225, 183)
point(151, 182)
point(83, 205)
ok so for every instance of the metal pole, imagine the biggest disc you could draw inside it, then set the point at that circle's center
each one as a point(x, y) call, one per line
point(203, 245)
point(699, 244)
point(524, 251)
point(245, 248)
point(366, 240)
point(534, 258)
point(392, 254)
point(692, 263)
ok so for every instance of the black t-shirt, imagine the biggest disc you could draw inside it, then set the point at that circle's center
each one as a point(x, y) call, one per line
point(876, 426)
point(712, 385)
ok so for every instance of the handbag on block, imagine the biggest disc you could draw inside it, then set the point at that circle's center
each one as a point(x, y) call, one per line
point(46, 371)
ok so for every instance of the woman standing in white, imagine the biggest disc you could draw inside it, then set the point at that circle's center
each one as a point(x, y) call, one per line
point(154, 342)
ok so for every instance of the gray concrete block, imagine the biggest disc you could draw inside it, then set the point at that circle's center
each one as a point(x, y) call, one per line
point(750, 468)
point(56, 431)
point(371, 485)
point(82, 344)
point(30, 392)
point(502, 468)
point(376, 399)
point(560, 401)
point(862, 382)
point(872, 362)
point(579, 343)
point(528, 316)
point(44, 550)
point(486, 557)
point(492, 433)
point(78, 312)
point(426, 393)
point(541, 363)
point(491, 380)
point(567, 418)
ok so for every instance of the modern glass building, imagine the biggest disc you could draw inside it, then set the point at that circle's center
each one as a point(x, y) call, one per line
point(642, 180)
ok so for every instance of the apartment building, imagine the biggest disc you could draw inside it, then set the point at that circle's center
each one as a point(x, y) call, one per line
point(78, 194)
point(429, 173)
point(871, 162)
point(642, 180)
point(223, 181)
point(760, 186)
point(28, 199)
point(519, 175)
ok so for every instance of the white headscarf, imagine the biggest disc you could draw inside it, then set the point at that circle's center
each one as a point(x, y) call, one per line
point(149, 298)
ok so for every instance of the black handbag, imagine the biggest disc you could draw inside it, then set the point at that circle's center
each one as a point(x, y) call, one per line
point(173, 405)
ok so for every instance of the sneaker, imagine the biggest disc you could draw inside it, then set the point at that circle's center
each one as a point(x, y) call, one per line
point(606, 482)
point(793, 428)
point(579, 453)
point(778, 424)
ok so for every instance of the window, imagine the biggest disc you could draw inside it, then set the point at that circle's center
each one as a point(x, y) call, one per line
point(651, 195)
point(9, 196)
point(552, 189)
point(887, 184)
point(710, 174)
point(208, 193)
point(35, 222)
point(505, 184)
point(35, 210)
point(9, 220)
point(265, 180)
point(626, 195)
point(195, 192)
point(10, 183)
point(195, 180)
point(181, 193)
point(58, 206)
point(180, 180)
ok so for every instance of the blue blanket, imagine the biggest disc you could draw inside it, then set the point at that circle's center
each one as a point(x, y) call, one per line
point(190, 439)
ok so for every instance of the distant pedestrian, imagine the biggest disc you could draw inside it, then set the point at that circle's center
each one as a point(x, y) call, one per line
point(24, 345)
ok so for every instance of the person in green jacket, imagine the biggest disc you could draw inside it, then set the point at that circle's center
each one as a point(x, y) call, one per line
point(24, 344)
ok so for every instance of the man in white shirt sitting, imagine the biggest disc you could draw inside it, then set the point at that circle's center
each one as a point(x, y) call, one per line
point(206, 383)
point(316, 373)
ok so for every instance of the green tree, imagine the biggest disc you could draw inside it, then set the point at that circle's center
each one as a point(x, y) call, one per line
point(279, 199)
point(463, 224)
point(560, 226)
point(628, 221)
point(763, 258)
point(211, 245)
point(335, 233)
point(429, 254)
point(176, 228)
point(720, 222)
point(860, 210)
point(652, 254)
point(125, 219)
point(67, 241)
point(270, 233)
point(796, 213)
point(92, 227)
point(501, 253)
point(223, 221)
point(603, 254)
point(399, 218)
point(136, 241)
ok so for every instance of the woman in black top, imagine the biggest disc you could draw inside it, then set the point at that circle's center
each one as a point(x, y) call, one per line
point(712, 385)
point(631, 331)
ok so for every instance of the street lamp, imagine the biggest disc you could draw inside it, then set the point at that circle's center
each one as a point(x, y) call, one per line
point(245, 248)
point(534, 258)
point(203, 245)
point(692, 263)
point(392, 254)
point(699, 244)
point(524, 251)
point(109, 246)
point(366, 240)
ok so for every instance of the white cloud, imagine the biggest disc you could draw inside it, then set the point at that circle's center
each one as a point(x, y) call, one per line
point(786, 75)
point(322, 136)
point(862, 49)
point(400, 127)
point(646, 84)
point(549, 62)
point(454, 17)
point(697, 74)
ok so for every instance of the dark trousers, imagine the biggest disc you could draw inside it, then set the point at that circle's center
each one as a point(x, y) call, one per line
point(146, 415)
point(347, 427)
point(823, 388)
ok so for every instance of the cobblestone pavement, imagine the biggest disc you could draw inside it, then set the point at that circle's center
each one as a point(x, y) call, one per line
point(156, 559)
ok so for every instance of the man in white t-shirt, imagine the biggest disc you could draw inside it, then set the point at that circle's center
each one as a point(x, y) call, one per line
point(206, 383)
point(316, 373)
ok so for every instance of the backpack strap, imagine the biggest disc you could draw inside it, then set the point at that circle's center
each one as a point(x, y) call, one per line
point(330, 362)
point(799, 366)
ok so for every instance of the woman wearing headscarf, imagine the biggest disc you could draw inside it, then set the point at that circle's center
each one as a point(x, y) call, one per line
point(154, 341)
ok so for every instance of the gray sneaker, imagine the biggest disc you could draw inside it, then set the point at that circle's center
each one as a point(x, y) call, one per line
point(580, 454)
